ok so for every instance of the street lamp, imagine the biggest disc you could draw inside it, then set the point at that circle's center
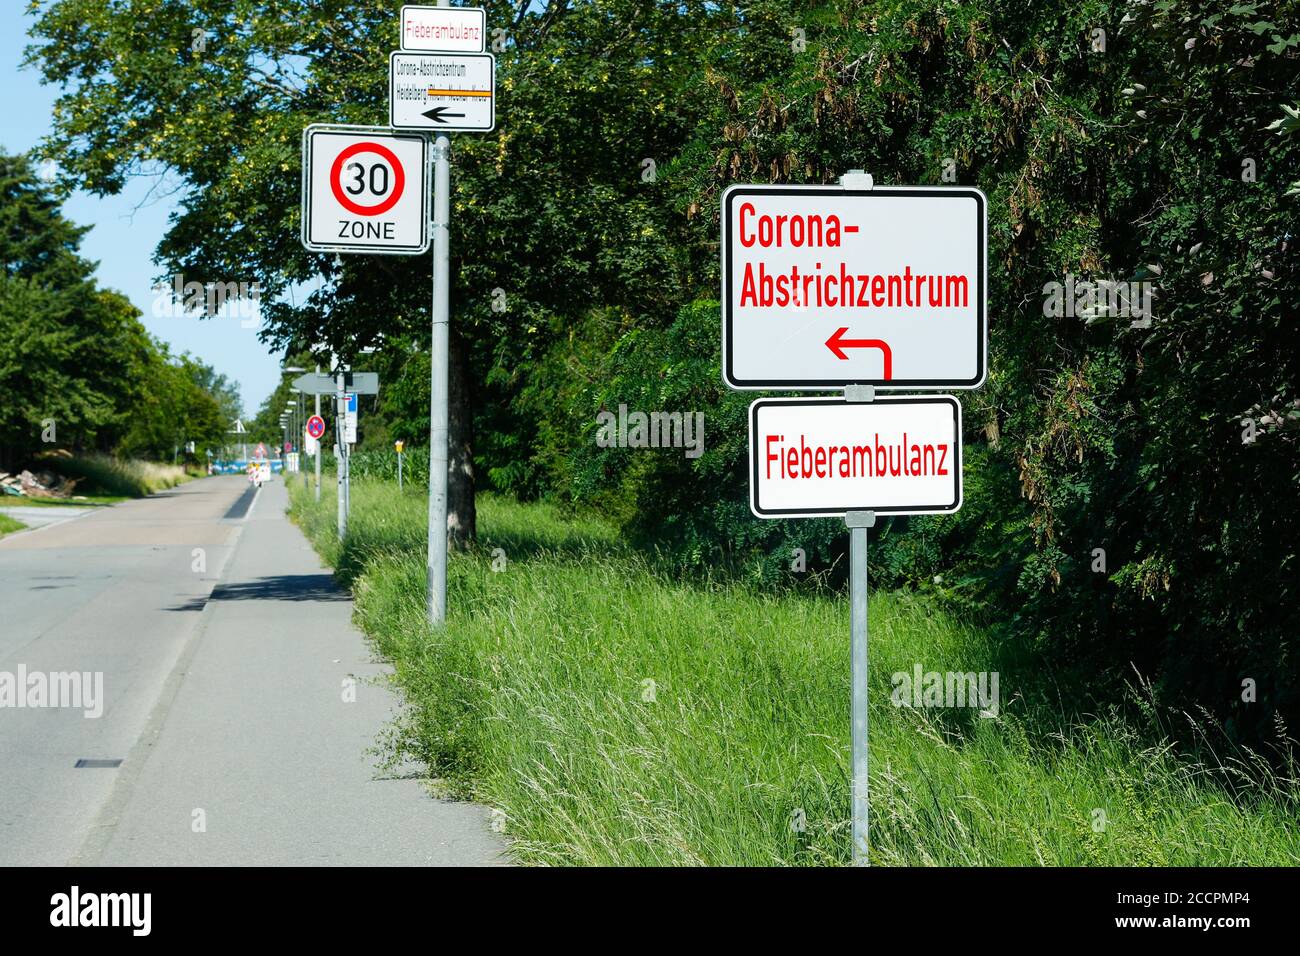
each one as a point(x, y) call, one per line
point(294, 425)
point(288, 429)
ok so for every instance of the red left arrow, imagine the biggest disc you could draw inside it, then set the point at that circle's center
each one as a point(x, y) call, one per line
point(837, 343)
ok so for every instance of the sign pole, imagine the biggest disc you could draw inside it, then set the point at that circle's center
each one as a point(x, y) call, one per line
point(318, 445)
point(341, 463)
point(438, 368)
point(858, 522)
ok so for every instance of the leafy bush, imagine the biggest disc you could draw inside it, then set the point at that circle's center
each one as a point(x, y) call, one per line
point(1131, 490)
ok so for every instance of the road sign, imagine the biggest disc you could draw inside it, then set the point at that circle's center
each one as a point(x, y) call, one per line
point(364, 189)
point(315, 383)
point(445, 29)
point(827, 286)
point(817, 457)
point(315, 426)
point(448, 92)
point(350, 419)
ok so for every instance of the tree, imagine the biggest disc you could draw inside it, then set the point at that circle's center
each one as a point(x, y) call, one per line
point(68, 351)
point(551, 209)
point(77, 367)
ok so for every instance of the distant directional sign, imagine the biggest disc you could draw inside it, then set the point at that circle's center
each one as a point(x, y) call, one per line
point(318, 383)
point(364, 189)
point(444, 29)
point(451, 92)
point(817, 457)
point(828, 286)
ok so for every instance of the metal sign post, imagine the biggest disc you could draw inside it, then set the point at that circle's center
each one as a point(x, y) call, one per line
point(317, 397)
point(858, 522)
point(438, 369)
point(340, 429)
point(449, 85)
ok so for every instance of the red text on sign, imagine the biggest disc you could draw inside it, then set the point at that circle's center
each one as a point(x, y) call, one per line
point(876, 459)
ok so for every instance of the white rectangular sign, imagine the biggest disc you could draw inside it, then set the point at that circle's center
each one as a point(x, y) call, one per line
point(320, 383)
point(364, 189)
point(444, 29)
point(826, 286)
point(350, 419)
point(820, 457)
point(452, 92)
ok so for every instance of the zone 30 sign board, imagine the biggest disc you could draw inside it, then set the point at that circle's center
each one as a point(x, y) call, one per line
point(364, 189)
point(828, 286)
point(821, 457)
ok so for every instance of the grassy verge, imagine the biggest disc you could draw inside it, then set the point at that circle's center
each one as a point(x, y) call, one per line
point(9, 525)
point(81, 501)
point(105, 476)
point(619, 717)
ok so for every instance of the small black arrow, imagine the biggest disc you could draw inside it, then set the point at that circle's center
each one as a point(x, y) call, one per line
point(439, 114)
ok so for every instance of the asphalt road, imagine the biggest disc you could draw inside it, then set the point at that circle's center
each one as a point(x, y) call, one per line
point(239, 700)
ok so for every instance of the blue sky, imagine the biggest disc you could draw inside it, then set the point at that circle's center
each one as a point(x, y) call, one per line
point(126, 230)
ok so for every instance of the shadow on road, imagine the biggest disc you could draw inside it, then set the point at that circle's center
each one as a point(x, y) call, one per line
point(280, 587)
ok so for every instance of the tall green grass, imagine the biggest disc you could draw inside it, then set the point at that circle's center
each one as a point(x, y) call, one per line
point(118, 476)
point(617, 715)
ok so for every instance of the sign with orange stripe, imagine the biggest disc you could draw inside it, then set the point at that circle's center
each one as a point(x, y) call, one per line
point(447, 92)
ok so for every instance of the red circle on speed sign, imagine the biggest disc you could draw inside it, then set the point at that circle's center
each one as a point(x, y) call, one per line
point(336, 183)
point(315, 426)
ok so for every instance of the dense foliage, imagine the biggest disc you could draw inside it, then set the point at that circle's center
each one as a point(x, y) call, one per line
point(77, 368)
point(1131, 490)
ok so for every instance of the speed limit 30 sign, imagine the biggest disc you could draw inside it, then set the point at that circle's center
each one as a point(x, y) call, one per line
point(364, 189)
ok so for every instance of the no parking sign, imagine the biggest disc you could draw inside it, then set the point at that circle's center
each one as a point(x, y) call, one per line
point(364, 189)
